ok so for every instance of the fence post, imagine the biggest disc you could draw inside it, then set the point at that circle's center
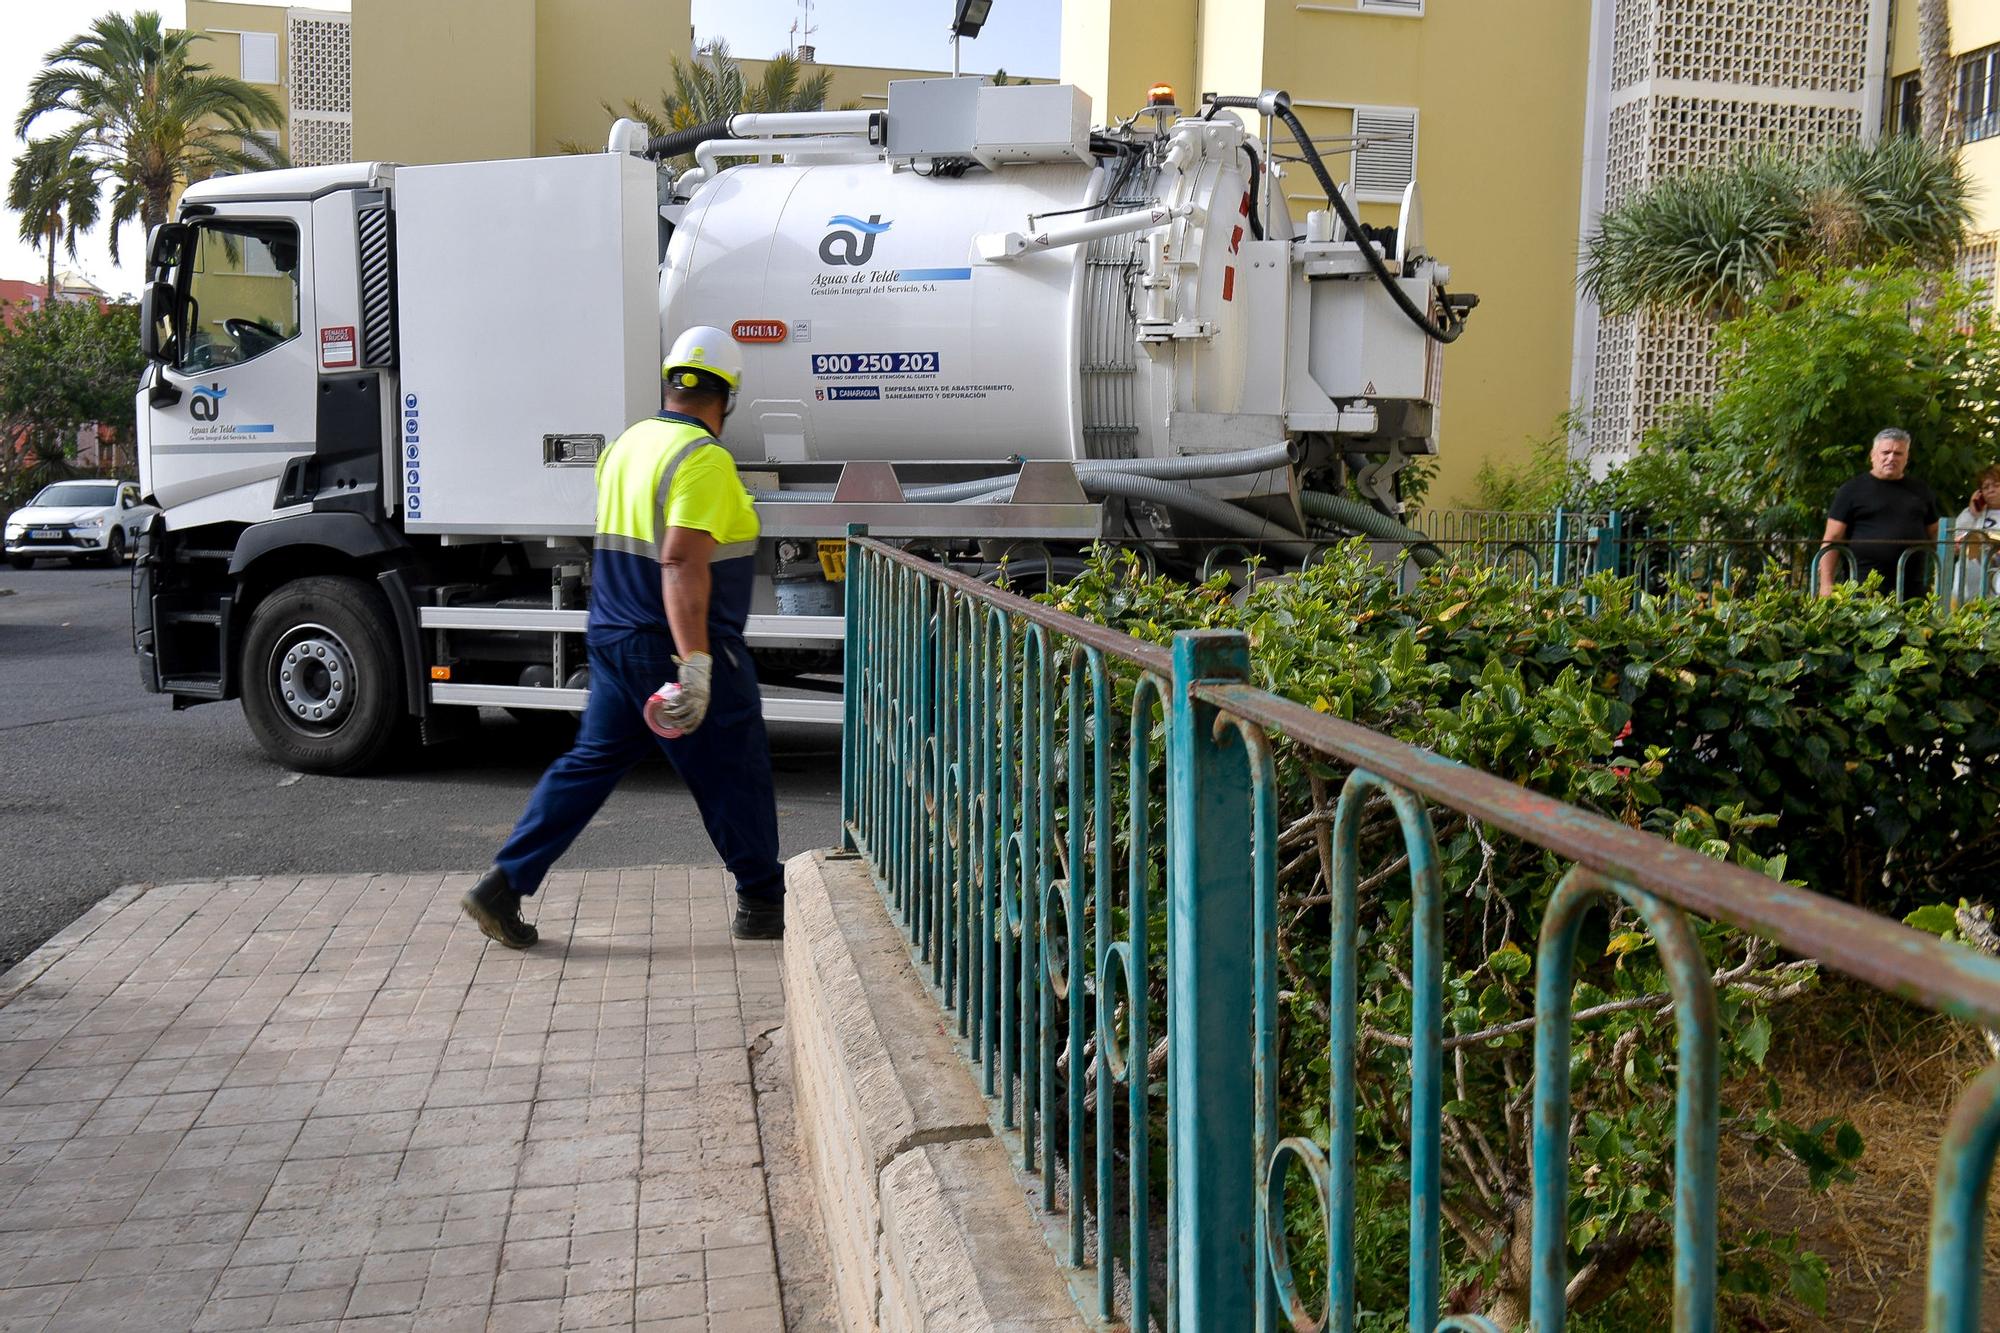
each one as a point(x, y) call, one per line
point(1946, 581)
point(1560, 565)
point(850, 692)
point(1211, 1107)
point(1609, 539)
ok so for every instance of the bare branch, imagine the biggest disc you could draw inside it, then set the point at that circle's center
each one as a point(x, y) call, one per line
point(1731, 979)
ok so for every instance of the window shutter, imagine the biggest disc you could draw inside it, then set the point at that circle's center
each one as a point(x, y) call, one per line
point(1385, 160)
point(259, 57)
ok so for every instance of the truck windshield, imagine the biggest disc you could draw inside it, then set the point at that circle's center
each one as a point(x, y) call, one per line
point(77, 494)
point(242, 292)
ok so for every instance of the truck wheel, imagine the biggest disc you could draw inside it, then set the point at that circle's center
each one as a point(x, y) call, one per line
point(320, 686)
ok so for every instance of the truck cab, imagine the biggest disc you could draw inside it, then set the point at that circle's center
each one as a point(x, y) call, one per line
point(373, 400)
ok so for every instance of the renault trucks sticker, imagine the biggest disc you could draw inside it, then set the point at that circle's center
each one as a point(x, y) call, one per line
point(336, 347)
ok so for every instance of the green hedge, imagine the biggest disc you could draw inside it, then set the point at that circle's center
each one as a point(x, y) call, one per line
point(1851, 742)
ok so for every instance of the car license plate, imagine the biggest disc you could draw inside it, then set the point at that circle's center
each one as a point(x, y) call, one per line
point(45, 534)
point(833, 560)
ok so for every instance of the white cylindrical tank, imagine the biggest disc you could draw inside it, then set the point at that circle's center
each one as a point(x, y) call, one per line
point(871, 329)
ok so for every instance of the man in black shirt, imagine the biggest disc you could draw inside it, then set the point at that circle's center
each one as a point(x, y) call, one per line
point(1882, 514)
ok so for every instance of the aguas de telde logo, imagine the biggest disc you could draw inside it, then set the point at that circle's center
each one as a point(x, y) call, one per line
point(207, 403)
point(851, 241)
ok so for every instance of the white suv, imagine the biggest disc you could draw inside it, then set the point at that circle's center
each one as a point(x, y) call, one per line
point(84, 520)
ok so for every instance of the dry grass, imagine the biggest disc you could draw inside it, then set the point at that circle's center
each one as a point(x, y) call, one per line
point(1895, 1071)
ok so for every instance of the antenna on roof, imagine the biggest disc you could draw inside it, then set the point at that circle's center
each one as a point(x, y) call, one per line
point(803, 27)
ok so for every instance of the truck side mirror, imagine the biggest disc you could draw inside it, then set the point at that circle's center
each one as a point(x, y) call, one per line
point(165, 246)
point(155, 304)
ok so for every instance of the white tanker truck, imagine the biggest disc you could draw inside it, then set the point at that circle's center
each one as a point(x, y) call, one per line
point(375, 393)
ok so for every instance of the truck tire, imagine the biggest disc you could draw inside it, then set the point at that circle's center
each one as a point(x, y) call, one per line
point(321, 689)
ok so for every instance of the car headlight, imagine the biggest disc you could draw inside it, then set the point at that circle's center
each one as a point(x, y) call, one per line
point(97, 522)
point(16, 529)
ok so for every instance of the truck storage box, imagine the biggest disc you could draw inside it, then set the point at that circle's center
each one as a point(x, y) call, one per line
point(529, 308)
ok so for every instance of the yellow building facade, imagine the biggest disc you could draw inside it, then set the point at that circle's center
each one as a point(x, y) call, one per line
point(244, 42)
point(1975, 111)
point(459, 80)
point(527, 77)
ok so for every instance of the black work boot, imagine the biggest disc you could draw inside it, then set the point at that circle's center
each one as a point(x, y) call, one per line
point(758, 919)
point(496, 909)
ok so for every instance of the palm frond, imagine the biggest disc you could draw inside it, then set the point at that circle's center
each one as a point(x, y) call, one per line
point(144, 117)
point(1710, 239)
point(711, 86)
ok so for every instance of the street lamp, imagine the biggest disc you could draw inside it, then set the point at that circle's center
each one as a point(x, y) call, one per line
point(969, 18)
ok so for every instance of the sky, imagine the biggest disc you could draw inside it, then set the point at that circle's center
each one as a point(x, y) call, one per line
point(1021, 36)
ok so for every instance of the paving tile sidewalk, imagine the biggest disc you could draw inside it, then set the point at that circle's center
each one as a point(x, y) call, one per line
point(328, 1102)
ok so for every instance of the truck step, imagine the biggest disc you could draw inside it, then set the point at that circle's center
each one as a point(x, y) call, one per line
point(191, 618)
point(195, 687)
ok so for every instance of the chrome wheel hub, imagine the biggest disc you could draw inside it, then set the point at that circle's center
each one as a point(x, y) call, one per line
point(314, 676)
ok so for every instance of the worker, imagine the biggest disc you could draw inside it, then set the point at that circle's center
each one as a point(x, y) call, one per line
point(670, 592)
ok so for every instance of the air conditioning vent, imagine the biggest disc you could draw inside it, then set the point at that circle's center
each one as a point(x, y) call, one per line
point(1385, 158)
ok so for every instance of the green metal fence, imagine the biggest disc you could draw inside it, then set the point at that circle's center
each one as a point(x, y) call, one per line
point(1066, 931)
point(1566, 546)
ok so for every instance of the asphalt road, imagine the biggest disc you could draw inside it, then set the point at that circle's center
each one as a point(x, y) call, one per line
point(102, 784)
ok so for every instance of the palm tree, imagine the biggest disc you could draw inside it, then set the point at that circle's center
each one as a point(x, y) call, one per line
point(142, 116)
point(57, 200)
point(711, 86)
point(1707, 240)
point(1934, 67)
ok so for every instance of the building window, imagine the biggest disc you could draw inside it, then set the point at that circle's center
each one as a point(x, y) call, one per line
point(260, 57)
point(264, 144)
point(1979, 94)
point(1907, 115)
point(1385, 152)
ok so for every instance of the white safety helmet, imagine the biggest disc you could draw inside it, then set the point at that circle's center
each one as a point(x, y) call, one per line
point(707, 349)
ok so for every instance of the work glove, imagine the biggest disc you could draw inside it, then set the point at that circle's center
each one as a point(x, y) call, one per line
point(677, 708)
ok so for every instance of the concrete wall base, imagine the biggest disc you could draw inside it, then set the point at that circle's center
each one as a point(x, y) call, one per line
point(926, 1224)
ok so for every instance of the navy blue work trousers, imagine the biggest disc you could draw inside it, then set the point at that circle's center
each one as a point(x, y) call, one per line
point(725, 762)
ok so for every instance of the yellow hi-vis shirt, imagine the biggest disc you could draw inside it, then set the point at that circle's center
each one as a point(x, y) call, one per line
point(667, 472)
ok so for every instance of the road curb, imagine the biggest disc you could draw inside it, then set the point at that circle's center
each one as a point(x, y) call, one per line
point(24, 973)
point(925, 1221)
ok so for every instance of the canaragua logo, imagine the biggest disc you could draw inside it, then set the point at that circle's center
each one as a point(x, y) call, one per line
point(851, 241)
point(207, 404)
